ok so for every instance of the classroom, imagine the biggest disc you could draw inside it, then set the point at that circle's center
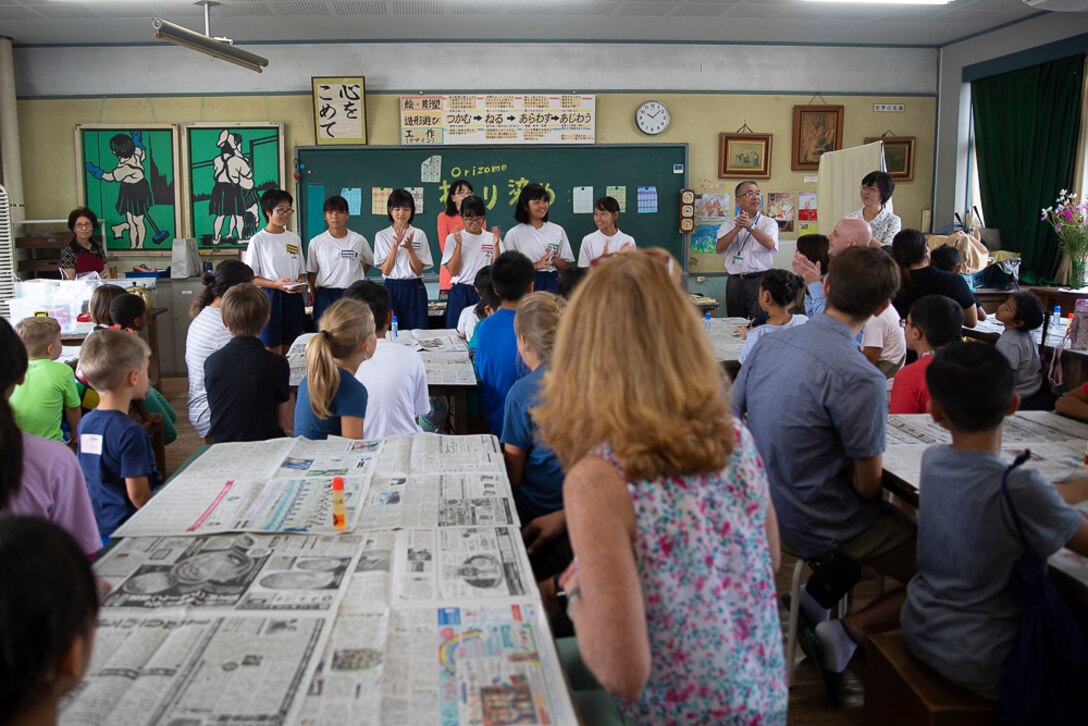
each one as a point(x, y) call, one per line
point(326, 307)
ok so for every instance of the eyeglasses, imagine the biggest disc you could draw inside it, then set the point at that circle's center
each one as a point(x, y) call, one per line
point(752, 193)
point(83, 225)
point(283, 210)
point(471, 219)
point(905, 323)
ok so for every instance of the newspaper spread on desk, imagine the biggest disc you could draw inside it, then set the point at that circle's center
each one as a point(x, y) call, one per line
point(725, 338)
point(448, 368)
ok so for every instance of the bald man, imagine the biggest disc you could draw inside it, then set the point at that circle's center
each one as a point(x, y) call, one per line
point(846, 234)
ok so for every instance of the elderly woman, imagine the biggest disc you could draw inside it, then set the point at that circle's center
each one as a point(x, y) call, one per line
point(876, 191)
point(85, 252)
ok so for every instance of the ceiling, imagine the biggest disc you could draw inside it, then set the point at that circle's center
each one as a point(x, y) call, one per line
point(734, 21)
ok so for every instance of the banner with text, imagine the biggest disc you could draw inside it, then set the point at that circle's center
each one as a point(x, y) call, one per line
point(498, 119)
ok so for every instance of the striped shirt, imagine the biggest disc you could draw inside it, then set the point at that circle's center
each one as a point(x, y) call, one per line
point(206, 335)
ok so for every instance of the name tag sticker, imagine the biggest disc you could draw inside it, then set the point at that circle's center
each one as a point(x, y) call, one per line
point(349, 254)
point(292, 250)
point(90, 444)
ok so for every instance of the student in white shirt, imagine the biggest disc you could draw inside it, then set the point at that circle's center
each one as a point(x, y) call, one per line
point(473, 314)
point(402, 253)
point(466, 253)
point(884, 343)
point(336, 258)
point(394, 377)
point(608, 239)
point(544, 243)
point(279, 268)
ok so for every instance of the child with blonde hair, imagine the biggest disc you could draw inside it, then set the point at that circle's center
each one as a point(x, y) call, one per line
point(47, 392)
point(330, 399)
point(672, 587)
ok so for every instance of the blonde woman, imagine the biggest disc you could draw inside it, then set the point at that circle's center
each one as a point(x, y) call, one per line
point(534, 470)
point(330, 400)
point(672, 588)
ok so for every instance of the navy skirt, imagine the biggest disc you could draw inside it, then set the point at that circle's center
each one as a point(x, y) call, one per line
point(409, 299)
point(287, 317)
point(325, 297)
point(461, 296)
point(546, 281)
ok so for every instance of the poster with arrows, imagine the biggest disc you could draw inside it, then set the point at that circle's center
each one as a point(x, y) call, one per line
point(498, 119)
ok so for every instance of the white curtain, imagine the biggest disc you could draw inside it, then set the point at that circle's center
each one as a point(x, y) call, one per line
point(840, 175)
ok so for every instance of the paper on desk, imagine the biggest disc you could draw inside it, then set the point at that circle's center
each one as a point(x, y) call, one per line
point(437, 500)
point(449, 369)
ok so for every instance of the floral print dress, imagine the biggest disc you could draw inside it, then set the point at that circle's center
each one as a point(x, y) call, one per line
point(709, 589)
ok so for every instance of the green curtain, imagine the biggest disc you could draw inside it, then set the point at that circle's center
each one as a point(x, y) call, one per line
point(1026, 125)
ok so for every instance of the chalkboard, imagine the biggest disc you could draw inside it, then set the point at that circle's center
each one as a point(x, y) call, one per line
point(497, 175)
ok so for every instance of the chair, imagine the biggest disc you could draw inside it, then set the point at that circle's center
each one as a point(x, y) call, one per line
point(795, 613)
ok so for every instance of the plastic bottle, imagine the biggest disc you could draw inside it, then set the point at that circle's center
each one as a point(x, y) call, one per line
point(339, 507)
point(706, 321)
point(1056, 319)
point(393, 328)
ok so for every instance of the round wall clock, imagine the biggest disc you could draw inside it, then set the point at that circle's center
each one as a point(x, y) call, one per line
point(652, 118)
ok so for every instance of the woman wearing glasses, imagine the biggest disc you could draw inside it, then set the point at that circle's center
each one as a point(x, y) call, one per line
point(85, 252)
point(876, 191)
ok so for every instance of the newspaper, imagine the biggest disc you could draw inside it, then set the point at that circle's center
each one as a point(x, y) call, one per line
point(460, 563)
point(448, 369)
point(436, 341)
point(296, 357)
point(425, 452)
point(725, 340)
point(1069, 562)
point(193, 503)
point(916, 429)
point(232, 572)
point(437, 500)
point(196, 671)
point(348, 683)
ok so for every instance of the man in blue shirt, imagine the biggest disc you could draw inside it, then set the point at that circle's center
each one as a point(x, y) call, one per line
point(498, 365)
point(817, 410)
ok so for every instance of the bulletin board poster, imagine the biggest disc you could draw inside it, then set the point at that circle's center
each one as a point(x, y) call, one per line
point(228, 168)
point(498, 119)
point(128, 179)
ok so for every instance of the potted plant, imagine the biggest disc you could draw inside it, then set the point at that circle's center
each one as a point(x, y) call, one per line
point(1070, 222)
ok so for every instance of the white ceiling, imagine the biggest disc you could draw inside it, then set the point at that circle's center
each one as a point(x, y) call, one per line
point(735, 21)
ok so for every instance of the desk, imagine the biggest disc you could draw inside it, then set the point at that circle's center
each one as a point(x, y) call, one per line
point(727, 342)
point(1074, 362)
point(1063, 297)
point(232, 601)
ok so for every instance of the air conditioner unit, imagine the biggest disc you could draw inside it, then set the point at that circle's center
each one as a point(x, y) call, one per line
point(1059, 6)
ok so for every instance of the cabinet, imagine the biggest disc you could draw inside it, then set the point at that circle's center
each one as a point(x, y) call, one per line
point(177, 296)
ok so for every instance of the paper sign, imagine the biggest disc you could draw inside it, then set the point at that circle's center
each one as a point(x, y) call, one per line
point(806, 207)
point(705, 238)
point(379, 200)
point(430, 171)
point(781, 208)
point(583, 200)
point(354, 195)
point(647, 200)
point(417, 195)
point(619, 193)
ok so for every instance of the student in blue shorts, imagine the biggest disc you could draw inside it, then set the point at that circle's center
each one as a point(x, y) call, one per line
point(961, 615)
point(114, 451)
point(497, 361)
point(275, 255)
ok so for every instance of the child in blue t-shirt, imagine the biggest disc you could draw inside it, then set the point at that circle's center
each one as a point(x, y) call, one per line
point(114, 451)
point(497, 362)
point(961, 614)
point(331, 401)
point(535, 472)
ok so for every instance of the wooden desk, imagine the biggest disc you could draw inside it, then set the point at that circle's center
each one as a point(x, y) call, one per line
point(1074, 362)
point(1063, 297)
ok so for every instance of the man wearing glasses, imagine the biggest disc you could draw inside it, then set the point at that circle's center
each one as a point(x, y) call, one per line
point(748, 243)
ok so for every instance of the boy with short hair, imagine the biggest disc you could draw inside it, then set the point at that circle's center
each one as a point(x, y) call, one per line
point(114, 451)
point(961, 615)
point(949, 259)
point(48, 390)
point(275, 255)
point(497, 362)
point(1021, 314)
point(934, 321)
point(336, 258)
point(248, 387)
point(395, 377)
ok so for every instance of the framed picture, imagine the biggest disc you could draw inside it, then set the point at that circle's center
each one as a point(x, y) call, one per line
point(744, 156)
point(816, 131)
point(898, 155)
point(128, 178)
point(339, 109)
point(227, 169)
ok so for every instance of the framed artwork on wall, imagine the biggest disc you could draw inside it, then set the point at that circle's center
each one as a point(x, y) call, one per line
point(816, 131)
point(128, 179)
point(744, 156)
point(898, 155)
point(228, 167)
point(339, 109)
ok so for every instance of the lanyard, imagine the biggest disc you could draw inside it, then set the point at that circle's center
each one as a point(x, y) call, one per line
point(748, 235)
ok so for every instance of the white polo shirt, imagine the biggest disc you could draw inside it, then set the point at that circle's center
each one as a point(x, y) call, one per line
point(477, 252)
point(402, 268)
point(534, 243)
point(338, 262)
point(396, 388)
point(594, 242)
point(275, 256)
point(753, 257)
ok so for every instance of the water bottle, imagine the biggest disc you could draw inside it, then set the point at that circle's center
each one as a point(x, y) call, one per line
point(393, 328)
point(1056, 319)
point(706, 321)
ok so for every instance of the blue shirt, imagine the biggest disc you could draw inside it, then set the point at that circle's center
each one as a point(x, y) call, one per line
point(350, 400)
point(498, 364)
point(814, 404)
point(541, 488)
point(125, 452)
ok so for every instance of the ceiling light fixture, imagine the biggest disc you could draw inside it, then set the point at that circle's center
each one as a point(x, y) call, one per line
point(222, 48)
point(884, 2)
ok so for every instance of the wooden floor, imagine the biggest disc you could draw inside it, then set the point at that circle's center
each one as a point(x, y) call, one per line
point(808, 702)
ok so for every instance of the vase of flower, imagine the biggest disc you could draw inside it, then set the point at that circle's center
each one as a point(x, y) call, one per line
point(1076, 274)
point(1070, 221)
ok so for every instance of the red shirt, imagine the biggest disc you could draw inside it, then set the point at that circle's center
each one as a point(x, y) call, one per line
point(909, 391)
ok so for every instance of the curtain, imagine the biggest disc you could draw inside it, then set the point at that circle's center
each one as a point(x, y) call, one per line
point(840, 173)
point(1026, 131)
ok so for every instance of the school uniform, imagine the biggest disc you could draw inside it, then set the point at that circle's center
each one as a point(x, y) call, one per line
point(477, 252)
point(594, 242)
point(536, 243)
point(112, 447)
point(337, 263)
point(245, 385)
point(279, 257)
point(407, 292)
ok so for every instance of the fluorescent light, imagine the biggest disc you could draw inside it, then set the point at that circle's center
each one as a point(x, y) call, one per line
point(883, 2)
point(192, 40)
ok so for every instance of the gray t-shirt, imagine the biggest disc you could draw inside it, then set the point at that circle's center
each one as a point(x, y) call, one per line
point(1023, 354)
point(960, 616)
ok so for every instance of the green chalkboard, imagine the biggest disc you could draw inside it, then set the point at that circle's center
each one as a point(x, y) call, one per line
point(497, 174)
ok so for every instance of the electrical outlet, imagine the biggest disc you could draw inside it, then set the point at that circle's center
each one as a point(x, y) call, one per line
point(889, 107)
point(700, 278)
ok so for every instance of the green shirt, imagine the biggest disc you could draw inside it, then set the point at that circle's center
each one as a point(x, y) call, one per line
point(39, 402)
